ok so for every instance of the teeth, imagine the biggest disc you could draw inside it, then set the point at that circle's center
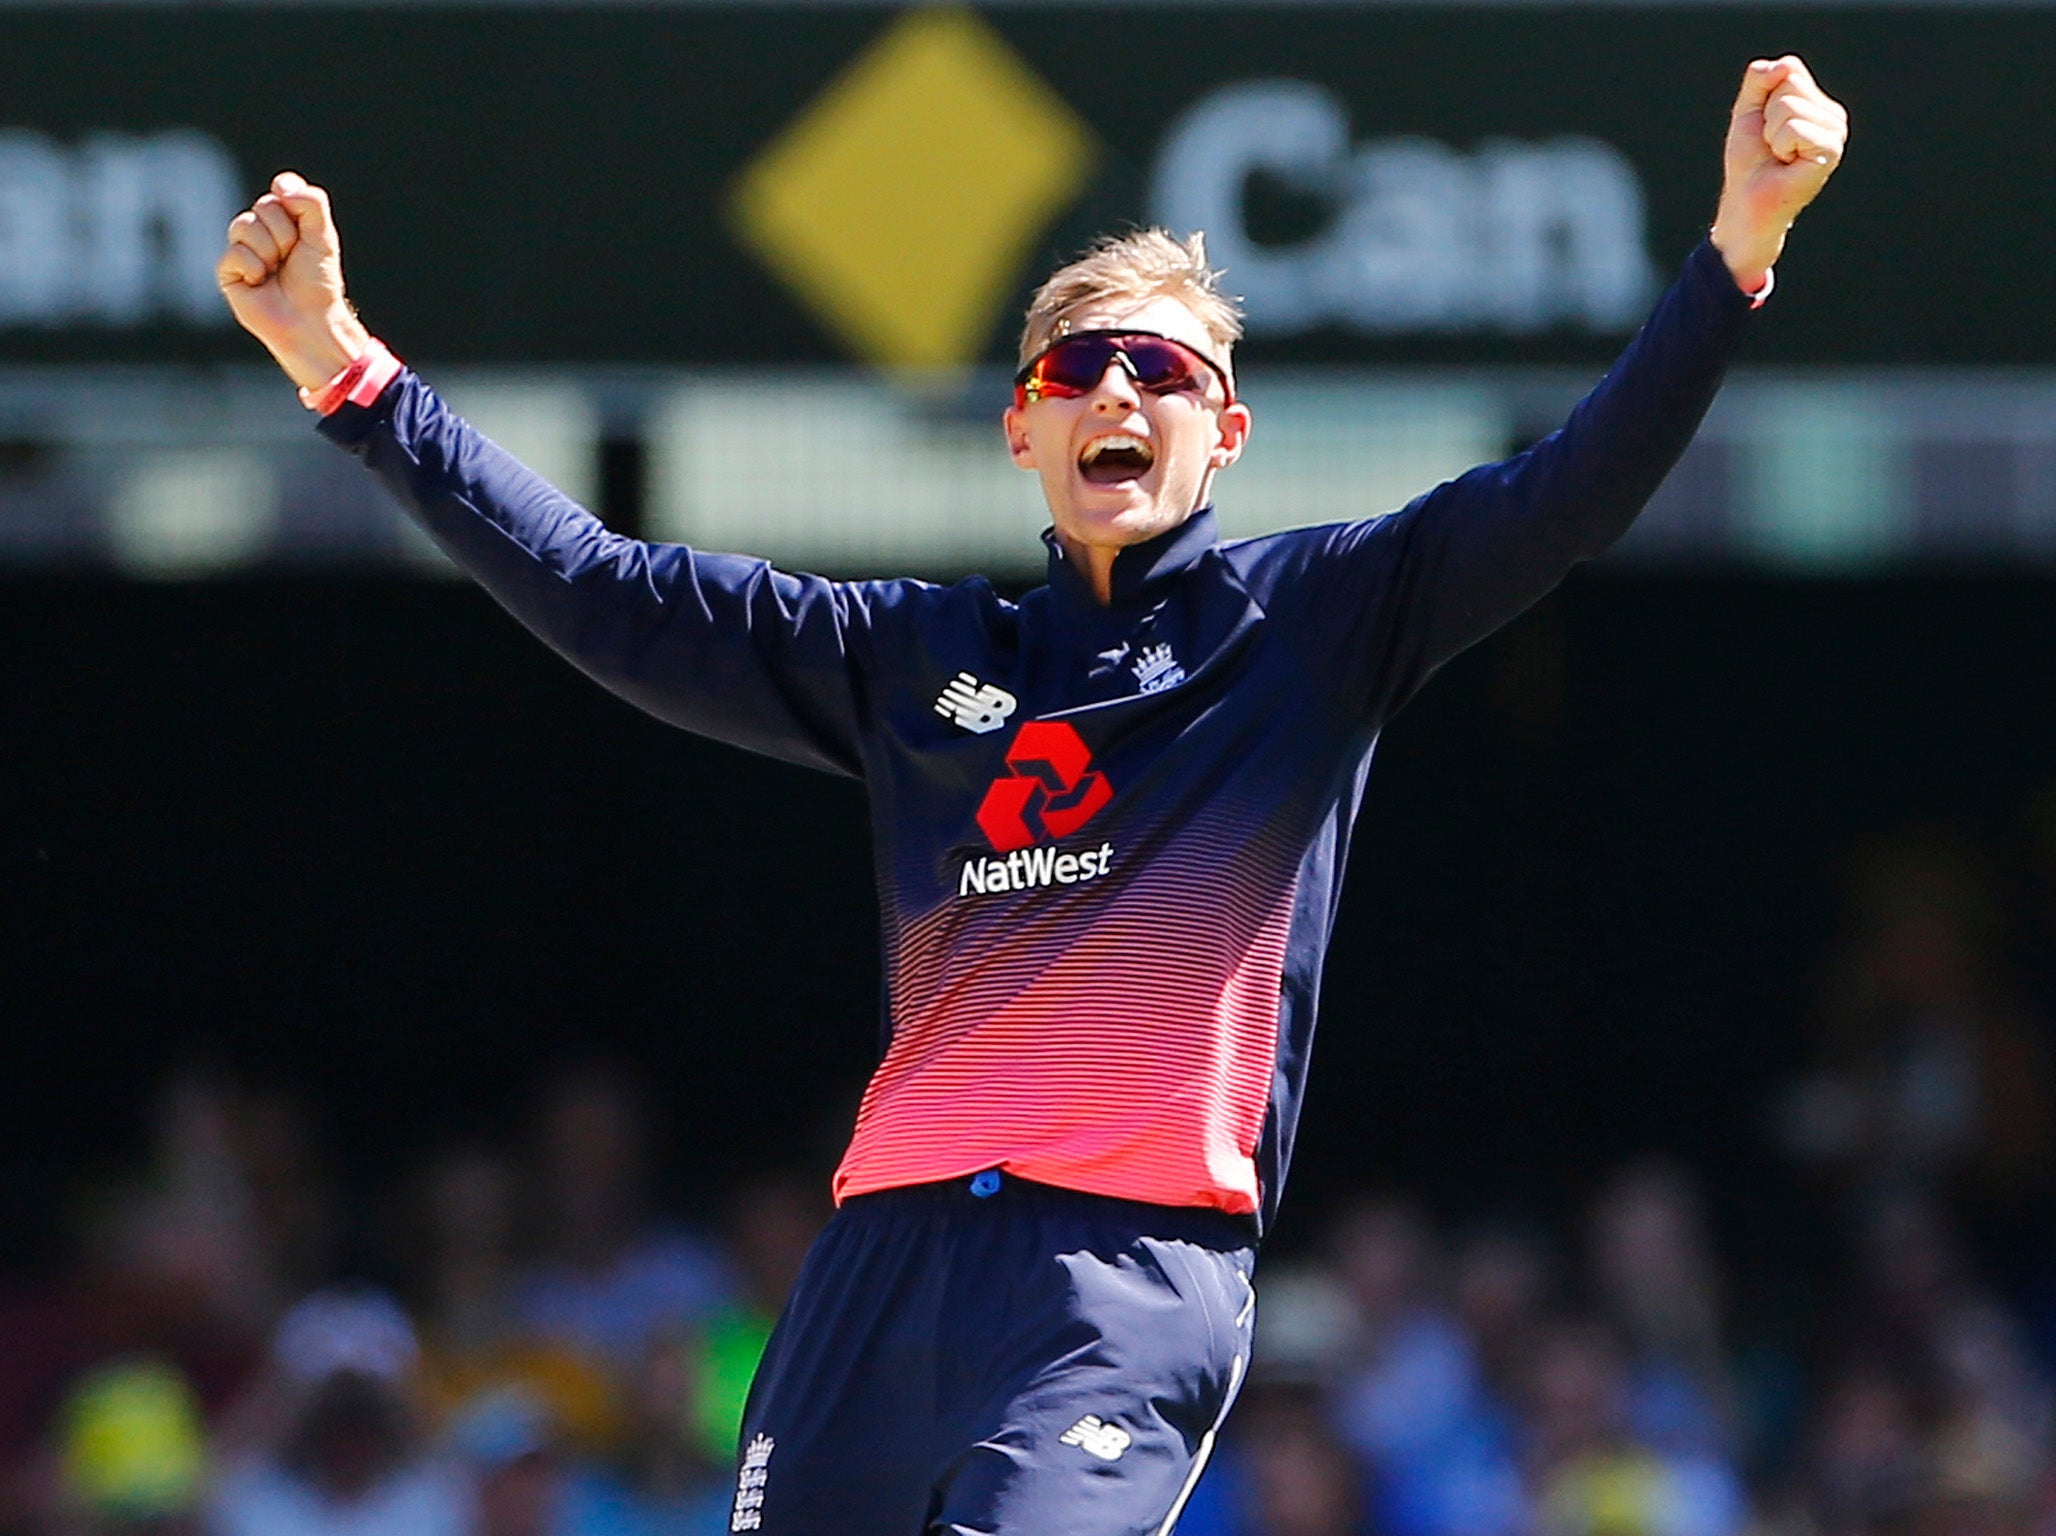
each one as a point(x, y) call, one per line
point(1100, 445)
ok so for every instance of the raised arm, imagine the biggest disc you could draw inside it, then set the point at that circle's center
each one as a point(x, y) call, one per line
point(719, 644)
point(1402, 594)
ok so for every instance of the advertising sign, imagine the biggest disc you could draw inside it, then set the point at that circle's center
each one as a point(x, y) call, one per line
point(716, 184)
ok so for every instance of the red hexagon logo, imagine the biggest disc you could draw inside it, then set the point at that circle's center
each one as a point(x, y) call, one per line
point(1050, 790)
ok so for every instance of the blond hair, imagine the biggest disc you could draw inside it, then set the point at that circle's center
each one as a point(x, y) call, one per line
point(1140, 265)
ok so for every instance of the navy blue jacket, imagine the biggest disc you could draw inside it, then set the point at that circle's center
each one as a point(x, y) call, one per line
point(1109, 839)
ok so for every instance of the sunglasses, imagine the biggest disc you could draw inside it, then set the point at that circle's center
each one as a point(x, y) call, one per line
point(1073, 365)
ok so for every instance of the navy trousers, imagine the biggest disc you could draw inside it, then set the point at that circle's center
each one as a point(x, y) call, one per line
point(991, 1356)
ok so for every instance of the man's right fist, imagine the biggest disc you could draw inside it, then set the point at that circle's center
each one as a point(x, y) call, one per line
point(283, 277)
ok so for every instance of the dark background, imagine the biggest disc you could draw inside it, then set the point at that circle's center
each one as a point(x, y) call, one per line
point(365, 835)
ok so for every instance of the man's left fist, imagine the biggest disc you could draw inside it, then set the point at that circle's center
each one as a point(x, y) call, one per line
point(1785, 139)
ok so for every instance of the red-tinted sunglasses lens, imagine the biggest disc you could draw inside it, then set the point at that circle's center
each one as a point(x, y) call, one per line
point(1163, 365)
point(1075, 365)
point(1071, 367)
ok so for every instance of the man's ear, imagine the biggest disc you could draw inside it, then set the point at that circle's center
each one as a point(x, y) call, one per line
point(1235, 422)
point(1017, 438)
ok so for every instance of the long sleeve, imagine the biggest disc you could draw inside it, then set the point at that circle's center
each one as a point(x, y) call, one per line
point(718, 644)
point(1392, 598)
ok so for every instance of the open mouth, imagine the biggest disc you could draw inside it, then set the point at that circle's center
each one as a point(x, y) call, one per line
point(1114, 458)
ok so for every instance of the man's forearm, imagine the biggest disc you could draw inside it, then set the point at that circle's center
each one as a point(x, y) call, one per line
point(1595, 473)
point(718, 644)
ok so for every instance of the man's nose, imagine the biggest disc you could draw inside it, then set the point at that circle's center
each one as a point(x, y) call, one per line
point(1116, 388)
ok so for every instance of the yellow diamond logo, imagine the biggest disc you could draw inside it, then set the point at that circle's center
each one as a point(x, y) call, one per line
point(901, 204)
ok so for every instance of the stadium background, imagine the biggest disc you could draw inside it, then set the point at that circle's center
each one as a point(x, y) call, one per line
point(282, 804)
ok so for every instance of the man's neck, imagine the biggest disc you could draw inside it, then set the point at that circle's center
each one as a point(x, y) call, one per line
point(1094, 562)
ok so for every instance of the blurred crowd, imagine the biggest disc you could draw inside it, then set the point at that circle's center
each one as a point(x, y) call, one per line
point(539, 1351)
point(547, 1355)
point(1495, 1382)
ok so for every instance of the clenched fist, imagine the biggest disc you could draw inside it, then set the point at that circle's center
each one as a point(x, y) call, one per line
point(1785, 139)
point(283, 277)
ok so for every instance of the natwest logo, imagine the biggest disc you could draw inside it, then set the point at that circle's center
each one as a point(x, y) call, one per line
point(1050, 790)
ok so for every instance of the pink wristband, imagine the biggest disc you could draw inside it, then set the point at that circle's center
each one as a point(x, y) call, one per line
point(359, 384)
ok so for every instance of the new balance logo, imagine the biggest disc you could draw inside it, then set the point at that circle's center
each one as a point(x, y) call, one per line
point(749, 1485)
point(1156, 668)
point(976, 706)
point(1094, 1436)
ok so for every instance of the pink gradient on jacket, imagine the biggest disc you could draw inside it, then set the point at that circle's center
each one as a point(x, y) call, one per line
point(1118, 1039)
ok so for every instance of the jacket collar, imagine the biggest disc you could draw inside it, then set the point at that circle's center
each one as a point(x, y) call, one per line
point(1140, 570)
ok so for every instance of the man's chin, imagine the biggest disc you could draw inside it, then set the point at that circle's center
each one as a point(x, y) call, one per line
point(1126, 512)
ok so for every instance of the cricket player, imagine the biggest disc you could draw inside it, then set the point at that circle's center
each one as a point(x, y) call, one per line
point(1110, 821)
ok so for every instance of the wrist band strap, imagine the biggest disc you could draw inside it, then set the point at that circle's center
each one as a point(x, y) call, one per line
point(359, 384)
